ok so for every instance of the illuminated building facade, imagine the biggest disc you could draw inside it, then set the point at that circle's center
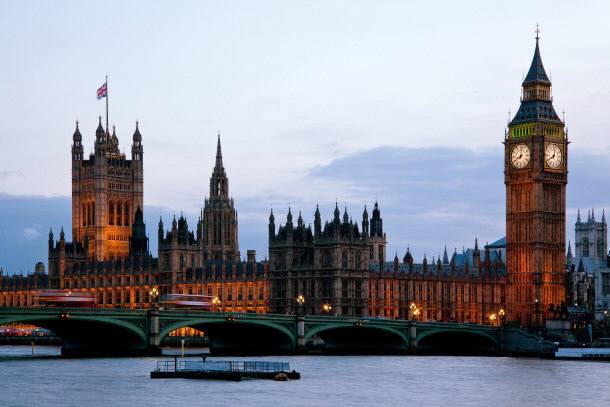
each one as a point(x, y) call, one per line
point(107, 189)
point(536, 164)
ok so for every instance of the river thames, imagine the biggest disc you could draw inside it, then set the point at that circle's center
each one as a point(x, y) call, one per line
point(325, 381)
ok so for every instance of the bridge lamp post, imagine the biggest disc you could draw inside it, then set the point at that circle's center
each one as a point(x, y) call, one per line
point(414, 311)
point(154, 293)
point(326, 308)
point(492, 319)
point(502, 316)
point(300, 301)
point(216, 302)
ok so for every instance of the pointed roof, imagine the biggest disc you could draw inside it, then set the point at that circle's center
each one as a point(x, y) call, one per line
point(136, 134)
point(99, 132)
point(77, 136)
point(445, 257)
point(536, 73)
point(218, 154)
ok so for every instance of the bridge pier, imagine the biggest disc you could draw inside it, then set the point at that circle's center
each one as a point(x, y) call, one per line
point(153, 347)
point(412, 337)
point(300, 334)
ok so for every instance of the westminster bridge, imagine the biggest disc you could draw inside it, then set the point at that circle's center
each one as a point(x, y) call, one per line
point(106, 331)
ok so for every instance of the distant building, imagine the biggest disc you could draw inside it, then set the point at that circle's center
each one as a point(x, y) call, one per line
point(341, 271)
point(328, 266)
point(588, 274)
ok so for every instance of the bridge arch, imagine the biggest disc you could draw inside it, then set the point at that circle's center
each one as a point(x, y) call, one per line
point(88, 334)
point(235, 335)
point(352, 338)
point(447, 340)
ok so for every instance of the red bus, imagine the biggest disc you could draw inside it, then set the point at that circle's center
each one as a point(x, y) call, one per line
point(187, 301)
point(67, 298)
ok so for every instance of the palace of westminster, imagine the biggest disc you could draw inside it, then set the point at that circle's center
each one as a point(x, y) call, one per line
point(338, 266)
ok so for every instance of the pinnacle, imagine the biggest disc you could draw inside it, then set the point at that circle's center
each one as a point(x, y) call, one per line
point(218, 154)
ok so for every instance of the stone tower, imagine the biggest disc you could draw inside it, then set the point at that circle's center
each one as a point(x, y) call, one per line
point(107, 188)
point(377, 239)
point(217, 227)
point(591, 237)
point(535, 168)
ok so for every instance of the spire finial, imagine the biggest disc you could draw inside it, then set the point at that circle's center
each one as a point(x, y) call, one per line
point(218, 153)
point(537, 32)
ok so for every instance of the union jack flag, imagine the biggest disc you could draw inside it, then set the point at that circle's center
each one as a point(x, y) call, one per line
point(102, 91)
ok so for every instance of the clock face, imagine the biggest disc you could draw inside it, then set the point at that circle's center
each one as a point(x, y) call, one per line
point(552, 155)
point(520, 156)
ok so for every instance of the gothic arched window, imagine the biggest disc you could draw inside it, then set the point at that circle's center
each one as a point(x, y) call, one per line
point(111, 213)
point(126, 214)
point(119, 208)
point(585, 247)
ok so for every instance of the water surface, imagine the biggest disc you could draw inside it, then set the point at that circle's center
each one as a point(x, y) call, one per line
point(325, 381)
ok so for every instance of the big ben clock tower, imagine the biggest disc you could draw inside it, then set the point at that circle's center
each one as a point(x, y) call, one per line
point(535, 174)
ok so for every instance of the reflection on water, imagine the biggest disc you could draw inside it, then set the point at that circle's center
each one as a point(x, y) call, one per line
point(326, 380)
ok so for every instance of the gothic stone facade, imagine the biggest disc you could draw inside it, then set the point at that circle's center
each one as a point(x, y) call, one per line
point(216, 236)
point(107, 189)
point(328, 266)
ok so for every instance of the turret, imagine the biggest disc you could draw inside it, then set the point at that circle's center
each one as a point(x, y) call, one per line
point(376, 222)
point(445, 257)
point(337, 215)
point(137, 150)
point(476, 254)
point(271, 226)
point(317, 223)
point(161, 231)
point(365, 222)
point(138, 242)
point(289, 225)
point(100, 142)
point(77, 145)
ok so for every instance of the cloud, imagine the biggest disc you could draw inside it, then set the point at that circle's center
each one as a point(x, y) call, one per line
point(4, 174)
point(429, 198)
point(30, 233)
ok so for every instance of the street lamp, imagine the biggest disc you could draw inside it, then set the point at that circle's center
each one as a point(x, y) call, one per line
point(216, 302)
point(300, 301)
point(414, 310)
point(154, 293)
point(502, 315)
point(326, 308)
point(492, 319)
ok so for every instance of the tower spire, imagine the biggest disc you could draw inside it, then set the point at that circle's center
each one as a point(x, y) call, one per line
point(218, 154)
point(536, 73)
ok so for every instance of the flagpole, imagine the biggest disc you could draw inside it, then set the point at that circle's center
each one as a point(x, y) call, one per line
point(106, 102)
